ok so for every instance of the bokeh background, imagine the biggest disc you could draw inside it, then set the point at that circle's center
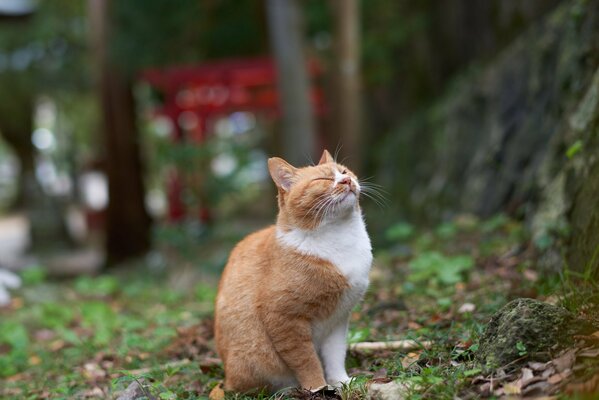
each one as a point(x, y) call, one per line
point(134, 134)
point(128, 126)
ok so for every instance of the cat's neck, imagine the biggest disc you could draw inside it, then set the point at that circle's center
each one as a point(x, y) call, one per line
point(343, 242)
point(352, 217)
point(346, 231)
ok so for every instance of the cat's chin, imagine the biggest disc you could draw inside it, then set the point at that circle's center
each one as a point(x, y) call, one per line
point(348, 200)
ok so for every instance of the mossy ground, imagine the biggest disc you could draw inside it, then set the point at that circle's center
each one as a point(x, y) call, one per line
point(91, 337)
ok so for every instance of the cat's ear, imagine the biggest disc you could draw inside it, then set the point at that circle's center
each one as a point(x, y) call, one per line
point(281, 172)
point(326, 158)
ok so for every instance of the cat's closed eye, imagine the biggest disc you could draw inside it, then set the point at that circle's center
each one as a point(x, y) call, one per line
point(322, 179)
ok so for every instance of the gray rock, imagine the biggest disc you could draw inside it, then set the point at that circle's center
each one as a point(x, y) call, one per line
point(528, 330)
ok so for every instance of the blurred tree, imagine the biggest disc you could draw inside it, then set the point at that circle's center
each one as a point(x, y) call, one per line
point(137, 34)
point(40, 53)
point(127, 220)
point(346, 103)
point(286, 32)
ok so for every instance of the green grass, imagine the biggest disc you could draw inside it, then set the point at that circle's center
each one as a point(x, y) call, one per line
point(95, 335)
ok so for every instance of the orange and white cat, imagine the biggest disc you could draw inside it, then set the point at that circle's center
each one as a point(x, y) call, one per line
point(287, 291)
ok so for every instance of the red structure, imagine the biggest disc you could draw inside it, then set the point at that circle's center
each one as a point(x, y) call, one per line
point(191, 96)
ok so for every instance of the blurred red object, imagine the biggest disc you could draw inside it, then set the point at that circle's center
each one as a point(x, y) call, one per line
point(190, 96)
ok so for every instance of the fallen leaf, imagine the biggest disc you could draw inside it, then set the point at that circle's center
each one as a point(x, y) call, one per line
point(548, 372)
point(589, 386)
point(539, 388)
point(553, 379)
point(410, 359)
point(527, 376)
point(57, 345)
point(589, 353)
point(512, 388)
point(217, 393)
point(466, 308)
point(531, 275)
point(34, 360)
point(44, 335)
point(381, 373)
point(414, 325)
point(537, 366)
point(565, 361)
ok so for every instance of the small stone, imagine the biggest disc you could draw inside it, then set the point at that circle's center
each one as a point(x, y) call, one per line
point(388, 391)
point(133, 392)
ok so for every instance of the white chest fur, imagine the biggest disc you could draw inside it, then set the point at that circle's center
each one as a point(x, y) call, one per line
point(344, 243)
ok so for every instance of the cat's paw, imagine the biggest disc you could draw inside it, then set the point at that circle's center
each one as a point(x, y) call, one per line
point(339, 380)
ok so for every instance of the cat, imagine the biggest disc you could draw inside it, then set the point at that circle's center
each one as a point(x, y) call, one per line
point(286, 293)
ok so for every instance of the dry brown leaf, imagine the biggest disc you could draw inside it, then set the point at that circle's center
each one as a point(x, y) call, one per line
point(531, 275)
point(34, 360)
point(548, 372)
point(217, 393)
point(539, 388)
point(589, 386)
point(410, 359)
point(57, 345)
point(414, 325)
point(589, 353)
point(537, 366)
point(527, 376)
point(565, 361)
point(512, 388)
point(554, 379)
point(381, 373)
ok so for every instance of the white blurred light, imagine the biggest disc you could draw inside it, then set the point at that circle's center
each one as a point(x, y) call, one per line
point(43, 139)
point(94, 190)
point(163, 126)
point(224, 164)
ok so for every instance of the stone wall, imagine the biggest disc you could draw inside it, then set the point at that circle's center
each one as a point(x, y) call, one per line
point(519, 135)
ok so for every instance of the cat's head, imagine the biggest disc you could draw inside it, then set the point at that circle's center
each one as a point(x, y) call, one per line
point(314, 195)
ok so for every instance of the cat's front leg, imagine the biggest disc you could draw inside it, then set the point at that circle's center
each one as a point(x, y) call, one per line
point(292, 340)
point(332, 352)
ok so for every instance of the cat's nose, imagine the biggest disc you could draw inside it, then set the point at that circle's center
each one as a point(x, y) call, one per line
point(346, 180)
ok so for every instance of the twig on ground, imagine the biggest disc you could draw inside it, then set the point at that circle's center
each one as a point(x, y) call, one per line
point(405, 345)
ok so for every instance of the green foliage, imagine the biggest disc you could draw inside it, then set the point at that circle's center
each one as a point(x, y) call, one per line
point(521, 347)
point(14, 335)
point(494, 223)
point(100, 286)
point(399, 231)
point(55, 315)
point(101, 319)
point(446, 230)
point(205, 292)
point(33, 275)
point(574, 149)
point(197, 31)
point(432, 265)
point(358, 335)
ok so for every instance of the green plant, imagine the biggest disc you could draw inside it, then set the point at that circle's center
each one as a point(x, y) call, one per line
point(446, 270)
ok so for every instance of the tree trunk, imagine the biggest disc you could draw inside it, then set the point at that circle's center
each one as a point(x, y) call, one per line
point(47, 228)
point(294, 87)
point(347, 110)
point(127, 221)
